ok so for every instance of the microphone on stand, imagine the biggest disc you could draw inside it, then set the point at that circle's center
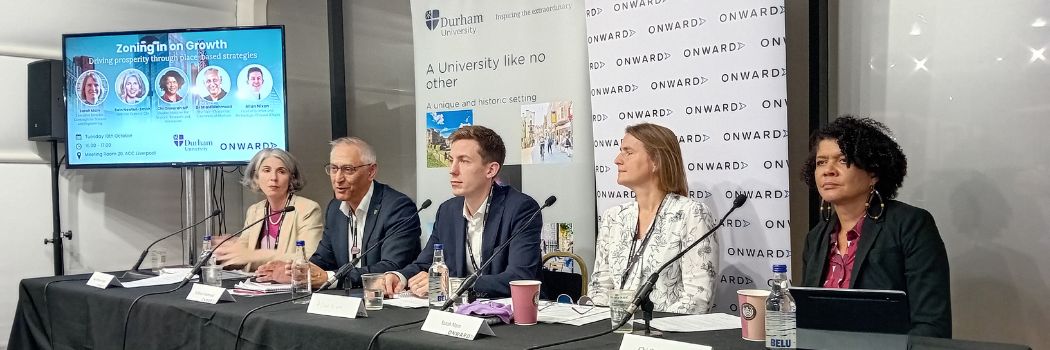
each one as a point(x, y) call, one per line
point(207, 256)
point(134, 271)
point(345, 269)
point(642, 296)
point(473, 278)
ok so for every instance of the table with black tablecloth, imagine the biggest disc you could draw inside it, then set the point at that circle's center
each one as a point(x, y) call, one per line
point(65, 313)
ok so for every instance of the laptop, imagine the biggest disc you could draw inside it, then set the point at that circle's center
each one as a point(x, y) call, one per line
point(829, 318)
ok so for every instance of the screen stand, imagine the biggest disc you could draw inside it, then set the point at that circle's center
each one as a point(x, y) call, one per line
point(188, 207)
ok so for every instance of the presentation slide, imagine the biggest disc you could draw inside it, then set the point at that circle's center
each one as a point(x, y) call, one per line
point(174, 98)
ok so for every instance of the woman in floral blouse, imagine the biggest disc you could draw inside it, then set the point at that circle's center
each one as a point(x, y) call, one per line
point(636, 237)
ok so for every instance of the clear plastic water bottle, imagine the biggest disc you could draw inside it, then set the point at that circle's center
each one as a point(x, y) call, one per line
point(206, 247)
point(301, 274)
point(437, 290)
point(780, 312)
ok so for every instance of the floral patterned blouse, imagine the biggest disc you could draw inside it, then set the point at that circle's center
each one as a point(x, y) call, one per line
point(687, 285)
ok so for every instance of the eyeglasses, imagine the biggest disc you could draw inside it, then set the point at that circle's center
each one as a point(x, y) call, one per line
point(346, 170)
point(582, 306)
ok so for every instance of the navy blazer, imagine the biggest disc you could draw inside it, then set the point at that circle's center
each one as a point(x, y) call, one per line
point(390, 213)
point(902, 250)
point(508, 211)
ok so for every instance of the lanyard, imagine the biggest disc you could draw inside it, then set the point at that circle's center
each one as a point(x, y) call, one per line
point(266, 226)
point(466, 237)
point(634, 257)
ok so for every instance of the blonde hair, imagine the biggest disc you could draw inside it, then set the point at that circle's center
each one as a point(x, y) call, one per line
point(662, 146)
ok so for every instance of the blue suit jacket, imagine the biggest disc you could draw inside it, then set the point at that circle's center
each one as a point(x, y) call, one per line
point(508, 212)
point(390, 213)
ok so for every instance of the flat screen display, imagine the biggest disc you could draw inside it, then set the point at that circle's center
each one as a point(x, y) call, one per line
point(178, 97)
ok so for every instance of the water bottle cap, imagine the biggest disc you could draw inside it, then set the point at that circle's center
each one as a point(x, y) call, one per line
point(780, 268)
point(207, 238)
point(300, 243)
point(439, 246)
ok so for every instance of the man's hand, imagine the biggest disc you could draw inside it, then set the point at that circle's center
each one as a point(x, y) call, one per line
point(391, 285)
point(276, 271)
point(419, 284)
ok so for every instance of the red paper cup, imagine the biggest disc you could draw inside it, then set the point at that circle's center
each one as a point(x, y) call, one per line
point(525, 300)
point(752, 308)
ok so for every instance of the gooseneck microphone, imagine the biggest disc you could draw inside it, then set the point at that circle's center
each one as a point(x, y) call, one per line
point(473, 278)
point(647, 288)
point(345, 269)
point(134, 271)
point(193, 271)
point(207, 256)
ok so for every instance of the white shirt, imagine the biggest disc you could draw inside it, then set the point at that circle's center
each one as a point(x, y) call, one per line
point(475, 231)
point(687, 285)
point(356, 221)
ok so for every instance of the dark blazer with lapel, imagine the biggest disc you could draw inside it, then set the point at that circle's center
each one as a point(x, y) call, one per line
point(902, 250)
point(508, 211)
point(390, 213)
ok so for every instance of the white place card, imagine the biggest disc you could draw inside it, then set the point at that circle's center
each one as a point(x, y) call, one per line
point(336, 305)
point(456, 325)
point(103, 280)
point(637, 342)
point(209, 294)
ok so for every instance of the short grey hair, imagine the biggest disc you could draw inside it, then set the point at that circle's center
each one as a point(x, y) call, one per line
point(367, 154)
point(251, 173)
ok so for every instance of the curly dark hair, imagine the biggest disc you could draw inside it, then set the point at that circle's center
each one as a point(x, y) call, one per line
point(865, 143)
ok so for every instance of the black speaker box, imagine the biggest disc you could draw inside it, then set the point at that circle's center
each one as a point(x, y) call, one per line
point(47, 104)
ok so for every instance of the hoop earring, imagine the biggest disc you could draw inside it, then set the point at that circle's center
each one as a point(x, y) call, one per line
point(867, 205)
point(827, 208)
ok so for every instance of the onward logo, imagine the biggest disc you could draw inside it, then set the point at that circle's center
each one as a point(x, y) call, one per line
point(434, 20)
point(178, 139)
point(238, 146)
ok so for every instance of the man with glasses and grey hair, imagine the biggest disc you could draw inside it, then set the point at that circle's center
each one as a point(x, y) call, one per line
point(363, 212)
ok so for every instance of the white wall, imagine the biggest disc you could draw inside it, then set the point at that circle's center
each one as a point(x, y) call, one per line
point(112, 213)
point(963, 85)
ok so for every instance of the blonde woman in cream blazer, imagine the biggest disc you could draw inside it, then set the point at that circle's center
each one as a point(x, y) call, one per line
point(275, 173)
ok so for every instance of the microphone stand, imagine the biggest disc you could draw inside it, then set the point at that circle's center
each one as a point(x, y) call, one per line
point(345, 269)
point(473, 278)
point(135, 274)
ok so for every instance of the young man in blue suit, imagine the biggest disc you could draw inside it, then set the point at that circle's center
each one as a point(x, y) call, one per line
point(363, 212)
point(481, 216)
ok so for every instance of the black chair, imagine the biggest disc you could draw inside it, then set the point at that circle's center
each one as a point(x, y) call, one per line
point(556, 282)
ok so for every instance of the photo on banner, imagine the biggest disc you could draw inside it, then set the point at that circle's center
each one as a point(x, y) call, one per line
point(546, 132)
point(441, 125)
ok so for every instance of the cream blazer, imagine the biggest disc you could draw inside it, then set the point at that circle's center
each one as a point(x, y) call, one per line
point(306, 223)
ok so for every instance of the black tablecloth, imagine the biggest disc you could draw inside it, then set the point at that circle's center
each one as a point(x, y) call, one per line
point(65, 312)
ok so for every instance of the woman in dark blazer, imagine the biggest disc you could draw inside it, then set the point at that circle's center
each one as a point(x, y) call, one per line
point(867, 240)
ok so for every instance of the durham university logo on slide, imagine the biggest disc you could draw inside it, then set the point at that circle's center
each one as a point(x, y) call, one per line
point(178, 139)
point(432, 18)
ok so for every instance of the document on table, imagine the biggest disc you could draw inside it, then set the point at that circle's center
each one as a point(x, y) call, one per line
point(163, 279)
point(407, 301)
point(566, 314)
point(695, 323)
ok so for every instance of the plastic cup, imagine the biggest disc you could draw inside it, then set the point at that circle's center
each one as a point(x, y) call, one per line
point(752, 304)
point(372, 284)
point(211, 275)
point(619, 301)
point(158, 259)
point(525, 299)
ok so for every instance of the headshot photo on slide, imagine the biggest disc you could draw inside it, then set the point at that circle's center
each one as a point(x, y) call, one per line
point(213, 84)
point(171, 85)
point(91, 87)
point(131, 86)
point(254, 83)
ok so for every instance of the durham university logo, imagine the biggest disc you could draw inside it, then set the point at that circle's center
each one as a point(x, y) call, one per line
point(432, 18)
point(178, 139)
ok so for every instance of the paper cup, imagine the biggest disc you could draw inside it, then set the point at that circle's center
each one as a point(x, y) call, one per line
point(525, 300)
point(752, 309)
